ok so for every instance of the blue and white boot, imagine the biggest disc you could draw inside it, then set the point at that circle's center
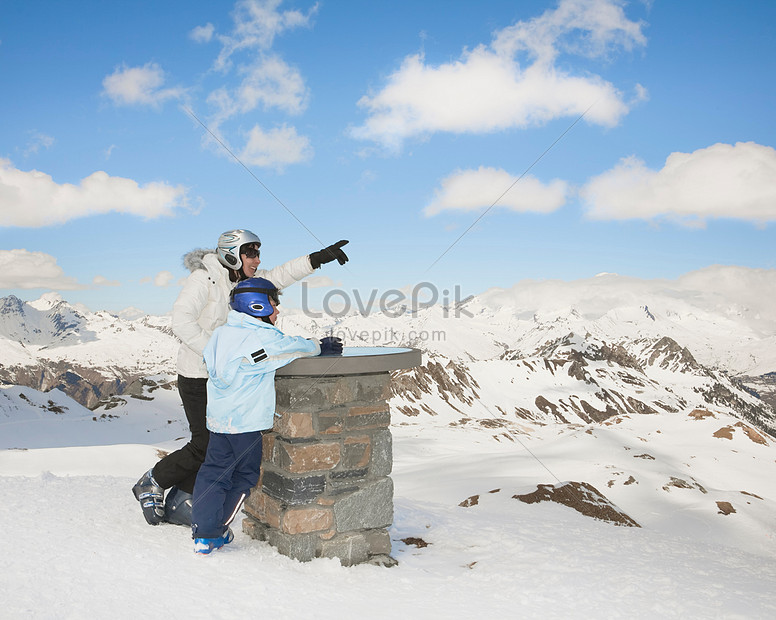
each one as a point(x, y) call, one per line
point(151, 497)
point(203, 546)
point(177, 507)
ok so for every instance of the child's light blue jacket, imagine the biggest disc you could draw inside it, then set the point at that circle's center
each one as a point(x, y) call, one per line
point(241, 359)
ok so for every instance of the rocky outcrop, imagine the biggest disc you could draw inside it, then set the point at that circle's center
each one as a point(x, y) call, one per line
point(582, 497)
point(91, 357)
point(451, 381)
point(86, 386)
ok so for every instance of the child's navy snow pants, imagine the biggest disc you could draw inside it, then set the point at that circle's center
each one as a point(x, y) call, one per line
point(230, 471)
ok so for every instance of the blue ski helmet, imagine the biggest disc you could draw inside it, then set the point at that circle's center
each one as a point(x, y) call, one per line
point(252, 296)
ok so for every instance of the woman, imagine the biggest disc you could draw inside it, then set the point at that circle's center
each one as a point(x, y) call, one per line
point(203, 305)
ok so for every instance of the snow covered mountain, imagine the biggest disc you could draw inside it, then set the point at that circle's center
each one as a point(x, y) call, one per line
point(541, 352)
point(48, 343)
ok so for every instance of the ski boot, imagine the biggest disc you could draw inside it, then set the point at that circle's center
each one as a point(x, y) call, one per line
point(203, 546)
point(151, 497)
point(177, 507)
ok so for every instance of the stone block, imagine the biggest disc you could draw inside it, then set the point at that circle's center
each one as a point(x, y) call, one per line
point(253, 528)
point(268, 446)
point(293, 490)
point(302, 547)
point(368, 409)
point(357, 451)
point(299, 458)
point(294, 424)
point(264, 508)
point(308, 519)
point(371, 421)
point(368, 417)
point(349, 474)
point(330, 423)
point(382, 454)
point(336, 488)
point(350, 548)
point(373, 388)
point(346, 481)
point(369, 507)
point(378, 542)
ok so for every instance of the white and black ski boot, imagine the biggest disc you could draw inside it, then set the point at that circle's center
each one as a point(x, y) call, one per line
point(151, 497)
point(177, 507)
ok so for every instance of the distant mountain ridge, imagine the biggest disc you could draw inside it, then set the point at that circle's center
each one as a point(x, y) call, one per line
point(542, 352)
point(29, 325)
point(48, 344)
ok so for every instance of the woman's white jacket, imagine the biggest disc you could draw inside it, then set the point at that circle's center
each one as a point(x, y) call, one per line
point(203, 304)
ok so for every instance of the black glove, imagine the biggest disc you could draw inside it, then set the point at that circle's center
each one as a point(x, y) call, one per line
point(326, 255)
point(331, 346)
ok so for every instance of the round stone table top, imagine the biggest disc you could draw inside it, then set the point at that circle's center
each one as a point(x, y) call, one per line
point(353, 361)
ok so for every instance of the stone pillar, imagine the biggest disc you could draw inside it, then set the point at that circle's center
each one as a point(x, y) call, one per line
point(325, 487)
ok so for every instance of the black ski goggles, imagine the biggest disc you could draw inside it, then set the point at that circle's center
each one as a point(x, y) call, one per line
point(250, 251)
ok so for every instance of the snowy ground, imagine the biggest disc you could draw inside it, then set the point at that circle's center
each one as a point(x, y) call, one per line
point(76, 543)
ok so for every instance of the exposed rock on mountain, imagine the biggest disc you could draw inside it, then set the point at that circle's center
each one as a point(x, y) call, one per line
point(582, 497)
point(48, 344)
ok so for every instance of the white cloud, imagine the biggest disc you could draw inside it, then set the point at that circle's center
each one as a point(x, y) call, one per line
point(34, 199)
point(256, 24)
point(21, 269)
point(99, 280)
point(489, 89)
point(267, 81)
point(590, 28)
point(714, 286)
point(139, 86)
point(469, 190)
point(131, 314)
point(202, 34)
point(163, 279)
point(720, 181)
point(320, 282)
point(273, 83)
point(276, 148)
point(37, 141)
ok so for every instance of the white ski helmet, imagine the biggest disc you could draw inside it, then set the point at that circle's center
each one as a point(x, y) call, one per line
point(229, 244)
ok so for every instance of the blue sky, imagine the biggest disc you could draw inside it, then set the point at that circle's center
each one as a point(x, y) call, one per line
point(636, 138)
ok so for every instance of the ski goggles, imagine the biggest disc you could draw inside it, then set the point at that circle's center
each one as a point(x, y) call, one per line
point(250, 251)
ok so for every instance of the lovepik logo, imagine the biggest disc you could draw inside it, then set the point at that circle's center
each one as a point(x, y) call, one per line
point(392, 303)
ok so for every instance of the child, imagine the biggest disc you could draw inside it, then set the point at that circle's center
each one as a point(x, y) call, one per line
point(241, 359)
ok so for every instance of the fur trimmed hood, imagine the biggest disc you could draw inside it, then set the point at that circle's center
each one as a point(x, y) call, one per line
point(193, 260)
